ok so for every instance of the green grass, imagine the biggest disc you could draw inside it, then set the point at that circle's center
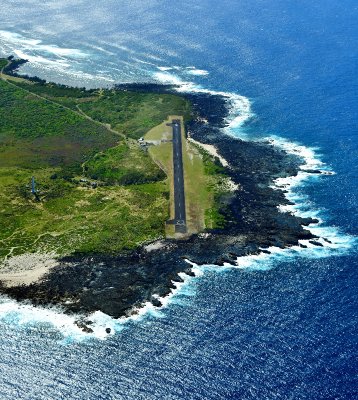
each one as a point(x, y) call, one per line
point(59, 92)
point(204, 183)
point(28, 117)
point(35, 133)
point(3, 63)
point(130, 113)
point(67, 153)
point(99, 191)
point(72, 219)
point(134, 114)
point(124, 164)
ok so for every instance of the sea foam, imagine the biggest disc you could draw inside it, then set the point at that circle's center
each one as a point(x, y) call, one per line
point(331, 238)
point(239, 107)
point(27, 315)
point(53, 319)
point(27, 46)
point(197, 72)
point(49, 57)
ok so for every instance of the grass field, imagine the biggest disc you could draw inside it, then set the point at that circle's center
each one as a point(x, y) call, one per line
point(3, 63)
point(72, 219)
point(129, 113)
point(98, 190)
point(35, 133)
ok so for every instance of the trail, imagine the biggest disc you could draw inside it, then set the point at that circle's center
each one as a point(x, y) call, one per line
point(79, 112)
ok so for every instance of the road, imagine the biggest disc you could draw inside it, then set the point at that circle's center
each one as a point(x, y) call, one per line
point(179, 192)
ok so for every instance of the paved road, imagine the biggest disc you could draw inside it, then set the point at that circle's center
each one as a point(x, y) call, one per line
point(179, 194)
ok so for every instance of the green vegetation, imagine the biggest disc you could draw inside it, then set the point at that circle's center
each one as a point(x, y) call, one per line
point(218, 185)
point(98, 190)
point(129, 113)
point(3, 63)
point(35, 133)
point(124, 164)
point(74, 219)
point(133, 114)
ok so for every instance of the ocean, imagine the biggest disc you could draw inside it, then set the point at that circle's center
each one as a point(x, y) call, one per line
point(280, 326)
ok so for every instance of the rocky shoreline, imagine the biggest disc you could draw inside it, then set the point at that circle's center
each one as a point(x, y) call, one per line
point(117, 285)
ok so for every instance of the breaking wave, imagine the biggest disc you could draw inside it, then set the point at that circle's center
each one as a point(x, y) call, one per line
point(43, 57)
point(239, 107)
point(331, 240)
point(102, 325)
point(25, 47)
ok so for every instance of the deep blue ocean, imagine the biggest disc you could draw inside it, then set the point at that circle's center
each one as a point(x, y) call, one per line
point(281, 327)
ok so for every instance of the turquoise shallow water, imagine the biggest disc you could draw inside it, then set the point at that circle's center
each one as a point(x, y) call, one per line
point(281, 327)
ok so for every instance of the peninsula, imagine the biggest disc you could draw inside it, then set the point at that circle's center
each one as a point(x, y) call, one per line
point(106, 192)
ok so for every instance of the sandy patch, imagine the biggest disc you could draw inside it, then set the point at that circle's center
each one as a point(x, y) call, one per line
point(230, 185)
point(26, 268)
point(211, 150)
point(155, 246)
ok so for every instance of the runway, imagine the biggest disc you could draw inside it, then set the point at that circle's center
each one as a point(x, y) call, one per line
point(179, 191)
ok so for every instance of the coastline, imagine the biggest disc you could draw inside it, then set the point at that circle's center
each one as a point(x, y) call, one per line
point(120, 285)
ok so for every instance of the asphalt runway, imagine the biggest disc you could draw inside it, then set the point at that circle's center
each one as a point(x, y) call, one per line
point(179, 192)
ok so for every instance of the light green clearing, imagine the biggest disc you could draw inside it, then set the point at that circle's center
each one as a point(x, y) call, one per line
point(200, 184)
